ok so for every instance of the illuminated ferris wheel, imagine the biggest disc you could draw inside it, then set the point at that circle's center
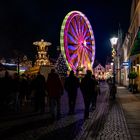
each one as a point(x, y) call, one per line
point(77, 41)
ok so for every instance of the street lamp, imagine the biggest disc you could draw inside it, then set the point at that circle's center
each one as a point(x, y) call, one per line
point(113, 41)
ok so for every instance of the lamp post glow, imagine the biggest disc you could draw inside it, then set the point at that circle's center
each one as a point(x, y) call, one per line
point(113, 41)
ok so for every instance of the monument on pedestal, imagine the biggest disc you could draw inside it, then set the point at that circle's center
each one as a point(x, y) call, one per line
point(43, 57)
point(42, 63)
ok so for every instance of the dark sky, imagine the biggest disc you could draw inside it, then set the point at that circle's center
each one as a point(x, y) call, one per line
point(24, 21)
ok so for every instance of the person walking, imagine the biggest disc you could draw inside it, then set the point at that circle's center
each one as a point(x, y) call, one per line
point(23, 90)
point(54, 89)
point(71, 85)
point(113, 91)
point(87, 89)
point(96, 91)
point(39, 86)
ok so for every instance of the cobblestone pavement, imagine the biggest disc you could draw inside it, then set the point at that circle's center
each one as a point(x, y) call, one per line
point(107, 123)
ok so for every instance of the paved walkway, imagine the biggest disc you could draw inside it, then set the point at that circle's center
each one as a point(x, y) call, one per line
point(107, 121)
point(33, 126)
point(131, 107)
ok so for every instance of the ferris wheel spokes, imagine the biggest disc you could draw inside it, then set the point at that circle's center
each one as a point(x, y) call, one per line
point(77, 41)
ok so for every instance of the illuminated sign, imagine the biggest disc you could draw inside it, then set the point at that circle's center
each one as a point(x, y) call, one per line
point(126, 64)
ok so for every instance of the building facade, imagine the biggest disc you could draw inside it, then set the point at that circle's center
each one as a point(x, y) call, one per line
point(131, 45)
point(99, 72)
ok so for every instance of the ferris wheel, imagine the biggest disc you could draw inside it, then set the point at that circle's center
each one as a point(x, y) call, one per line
point(77, 41)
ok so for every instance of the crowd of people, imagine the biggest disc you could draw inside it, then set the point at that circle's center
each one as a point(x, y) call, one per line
point(16, 90)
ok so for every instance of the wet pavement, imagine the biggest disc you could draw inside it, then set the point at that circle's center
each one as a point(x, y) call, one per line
point(110, 120)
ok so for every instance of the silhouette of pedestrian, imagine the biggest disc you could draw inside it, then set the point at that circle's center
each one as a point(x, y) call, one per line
point(71, 85)
point(15, 91)
point(95, 93)
point(113, 91)
point(55, 89)
point(39, 86)
point(87, 89)
point(23, 89)
point(7, 87)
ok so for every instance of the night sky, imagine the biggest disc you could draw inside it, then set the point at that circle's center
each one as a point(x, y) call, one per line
point(24, 21)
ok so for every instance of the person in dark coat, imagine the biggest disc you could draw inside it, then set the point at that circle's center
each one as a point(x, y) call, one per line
point(71, 85)
point(39, 86)
point(95, 93)
point(87, 89)
point(54, 89)
point(113, 91)
point(23, 89)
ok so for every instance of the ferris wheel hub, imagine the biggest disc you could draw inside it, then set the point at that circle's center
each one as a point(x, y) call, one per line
point(85, 43)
